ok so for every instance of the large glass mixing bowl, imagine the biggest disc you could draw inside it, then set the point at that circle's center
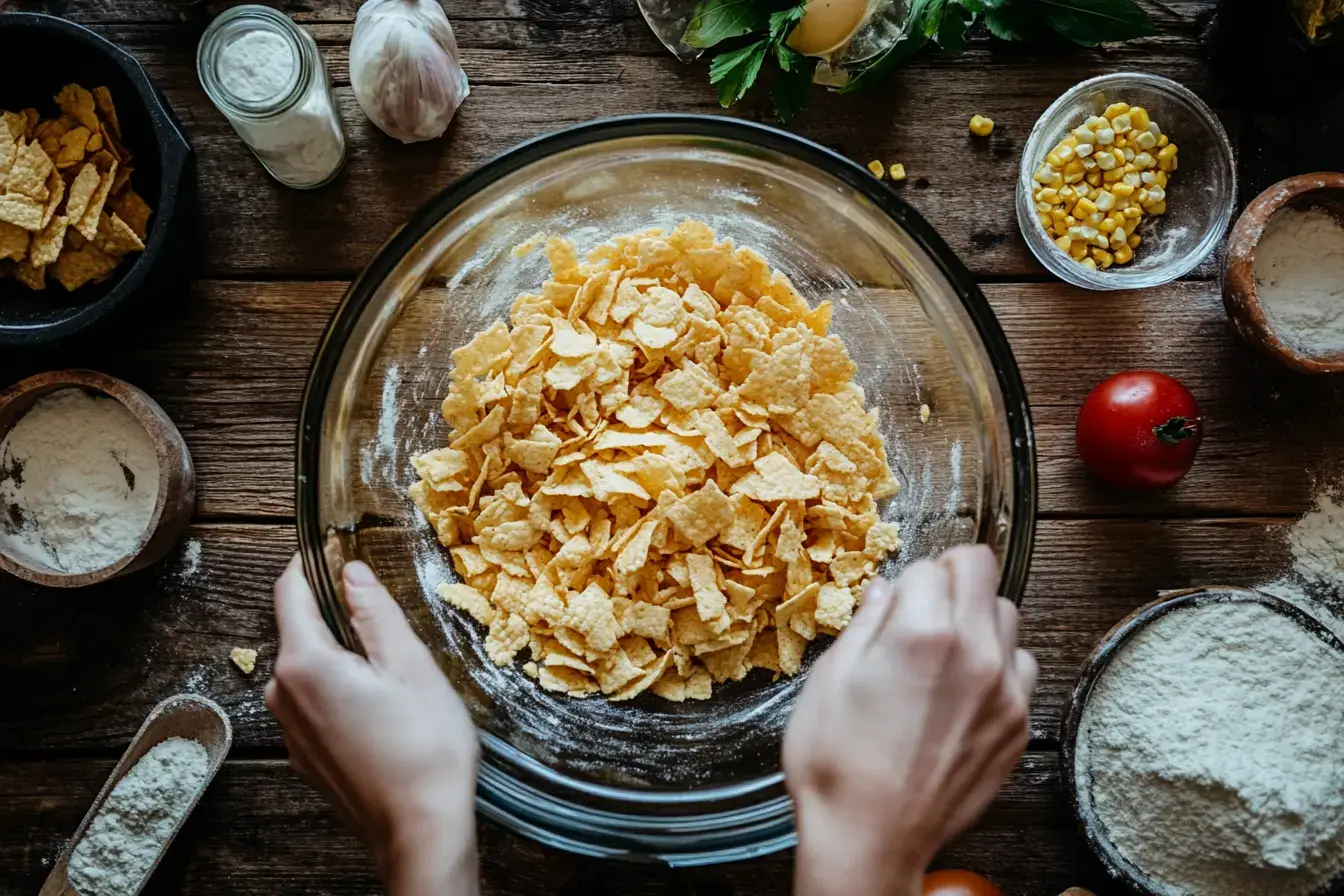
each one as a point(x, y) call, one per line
point(685, 783)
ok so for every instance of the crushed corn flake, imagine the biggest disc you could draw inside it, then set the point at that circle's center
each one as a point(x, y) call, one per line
point(660, 474)
point(245, 658)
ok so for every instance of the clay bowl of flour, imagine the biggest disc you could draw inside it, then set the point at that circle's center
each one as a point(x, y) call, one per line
point(1199, 748)
point(95, 480)
point(1283, 278)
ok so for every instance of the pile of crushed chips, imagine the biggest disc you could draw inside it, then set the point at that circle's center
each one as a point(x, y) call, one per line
point(661, 476)
point(66, 204)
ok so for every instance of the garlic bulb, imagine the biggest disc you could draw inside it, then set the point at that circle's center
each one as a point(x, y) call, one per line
point(405, 68)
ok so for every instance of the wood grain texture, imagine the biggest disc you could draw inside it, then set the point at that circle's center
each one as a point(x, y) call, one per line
point(530, 82)
point(1270, 434)
point(259, 831)
point(80, 671)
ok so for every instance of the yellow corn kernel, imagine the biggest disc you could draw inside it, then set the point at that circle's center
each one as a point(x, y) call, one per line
point(1085, 206)
point(1138, 118)
point(1124, 255)
point(1074, 167)
point(1093, 178)
point(1057, 217)
point(1163, 141)
point(1047, 176)
point(897, 171)
point(1145, 140)
point(1122, 122)
point(1069, 141)
point(1122, 190)
point(1105, 200)
point(1133, 241)
point(1075, 177)
point(1121, 141)
point(1089, 264)
point(1061, 155)
point(1078, 249)
point(1115, 109)
point(1043, 207)
point(1133, 213)
point(1118, 236)
point(1065, 242)
point(1156, 208)
point(1104, 258)
point(1048, 194)
point(1115, 174)
point(982, 126)
point(1106, 225)
point(877, 168)
point(1070, 221)
point(1160, 178)
point(1168, 151)
point(1169, 165)
point(1044, 219)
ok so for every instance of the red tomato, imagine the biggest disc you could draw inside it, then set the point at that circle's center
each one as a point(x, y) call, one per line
point(1139, 430)
point(958, 883)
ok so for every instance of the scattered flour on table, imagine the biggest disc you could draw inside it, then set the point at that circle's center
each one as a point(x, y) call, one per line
point(1299, 279)
point(79, 479)
point(1315, 583)
point(138, 818)
point(1210, 750)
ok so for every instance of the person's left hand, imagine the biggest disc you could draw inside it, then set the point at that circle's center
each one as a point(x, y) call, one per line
point(385, 739)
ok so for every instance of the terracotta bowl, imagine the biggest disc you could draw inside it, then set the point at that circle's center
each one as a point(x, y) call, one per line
point(1095, 665)
point(177, 475)
point(1322, 190)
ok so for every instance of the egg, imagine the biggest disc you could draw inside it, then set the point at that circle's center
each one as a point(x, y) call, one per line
point(828, 25)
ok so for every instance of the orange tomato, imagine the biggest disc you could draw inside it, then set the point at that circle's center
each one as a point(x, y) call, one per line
point(959, 883)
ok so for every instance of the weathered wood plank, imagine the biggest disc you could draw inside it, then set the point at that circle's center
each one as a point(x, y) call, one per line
point(260, 830)
point(235, 393)
point(79, 671)
point(251, 225)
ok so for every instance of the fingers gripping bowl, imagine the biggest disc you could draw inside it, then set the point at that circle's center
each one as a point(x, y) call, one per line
point(692, 782)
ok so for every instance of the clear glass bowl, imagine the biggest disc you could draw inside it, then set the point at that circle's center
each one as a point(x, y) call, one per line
point(1202, 193)
point(686, 783)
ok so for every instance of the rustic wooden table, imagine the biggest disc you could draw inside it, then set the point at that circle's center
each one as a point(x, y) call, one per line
point(79, 671)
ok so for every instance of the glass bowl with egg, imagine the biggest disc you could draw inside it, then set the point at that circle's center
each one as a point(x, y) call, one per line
point(1198, 201)
point(698, 781)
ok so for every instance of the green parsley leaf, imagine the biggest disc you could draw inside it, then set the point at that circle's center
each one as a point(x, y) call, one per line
point(793, 87)
point(736, 70)
point(715, 21)
point(952, 29)
point(782, 22)
point(1090, 22)
point(1012, 23)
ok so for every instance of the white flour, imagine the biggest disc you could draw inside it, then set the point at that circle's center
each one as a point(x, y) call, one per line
point(1210, 750)
point(1316, 581)
point(1299, 279)
point(257, 66)
point(79, 480)
point(138, 818)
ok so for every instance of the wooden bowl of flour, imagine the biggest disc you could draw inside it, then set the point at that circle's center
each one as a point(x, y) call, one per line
point(1322, 192)
point(173, 505)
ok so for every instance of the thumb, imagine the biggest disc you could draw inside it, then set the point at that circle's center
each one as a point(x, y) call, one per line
point(379, 622)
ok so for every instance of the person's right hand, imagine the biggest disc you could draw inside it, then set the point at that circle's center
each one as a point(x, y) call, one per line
point(384, 738)
point(907, 727)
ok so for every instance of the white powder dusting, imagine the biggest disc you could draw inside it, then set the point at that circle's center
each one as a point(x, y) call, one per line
point(1210, 750)
point(138, 818)
point(79, 479)
point(1315, 583)
point(1299, 279)
point(257, 66)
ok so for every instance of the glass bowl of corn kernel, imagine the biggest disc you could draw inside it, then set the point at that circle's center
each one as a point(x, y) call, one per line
point(1126, 182)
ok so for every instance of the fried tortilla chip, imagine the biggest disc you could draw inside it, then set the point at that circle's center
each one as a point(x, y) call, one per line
point(133, 209)
point(21, 210)
point(47, 244)
point(56, 192)
point(115, 237)
point(78, 103)
point(34, 278)
point(88, 224)
point(29, 173)
point(81, 191)
point(13, 241)
point(83, 266)
point(73, 146)
point(9, 151)
point(102, 98)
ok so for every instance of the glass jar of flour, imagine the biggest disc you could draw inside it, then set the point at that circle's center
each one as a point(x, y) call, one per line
point(264, 74)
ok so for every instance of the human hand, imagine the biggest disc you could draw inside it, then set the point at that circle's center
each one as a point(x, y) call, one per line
point(385, 739)
point(907, 727)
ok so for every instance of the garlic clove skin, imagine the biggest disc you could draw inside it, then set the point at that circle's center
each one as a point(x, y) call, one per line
point(406, 69)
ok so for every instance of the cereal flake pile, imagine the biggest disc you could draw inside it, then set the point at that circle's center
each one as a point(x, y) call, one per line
point(661, 475)
point(67, 209)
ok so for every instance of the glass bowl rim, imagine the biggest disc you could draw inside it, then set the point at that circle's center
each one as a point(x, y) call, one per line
point(1103, 281)
point(331, 348)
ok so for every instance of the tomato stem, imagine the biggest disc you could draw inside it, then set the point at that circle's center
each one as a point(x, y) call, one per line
point(1176, 430)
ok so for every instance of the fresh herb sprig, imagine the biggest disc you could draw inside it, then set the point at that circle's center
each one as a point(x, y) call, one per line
point(765, 26)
